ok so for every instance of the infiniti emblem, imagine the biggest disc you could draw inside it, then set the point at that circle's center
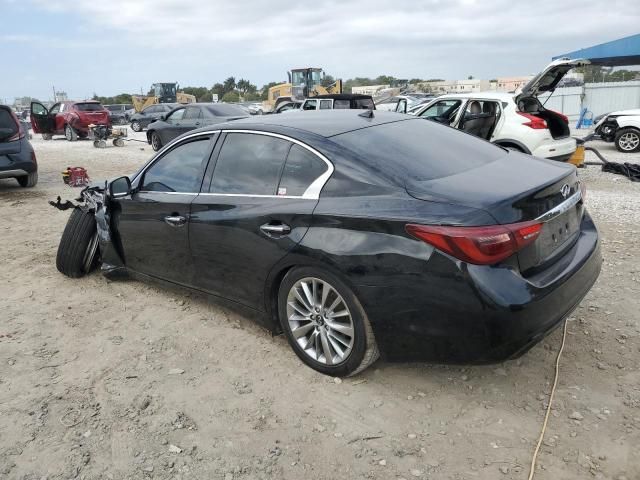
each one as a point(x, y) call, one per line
point(565, 190)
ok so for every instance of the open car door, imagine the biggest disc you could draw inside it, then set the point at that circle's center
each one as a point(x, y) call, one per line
point(41, 120)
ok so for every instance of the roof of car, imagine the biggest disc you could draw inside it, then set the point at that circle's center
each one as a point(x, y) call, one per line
point(325, 123)
point(494, 95)
point(342, 96)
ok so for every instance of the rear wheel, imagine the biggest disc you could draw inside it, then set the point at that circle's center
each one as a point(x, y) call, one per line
point(324, 323)
point(628, 140)
point(70, 134)
point(47, 136)
point(28, 181)
point(156, 143)
point(78, 247)
point(135, 126)
point(118, 142)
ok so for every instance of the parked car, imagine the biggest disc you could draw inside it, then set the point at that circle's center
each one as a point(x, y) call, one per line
point(255, 108)
point(339, 101)
point(354, 235)
point(141, 120)
point(390, 103)
point(517, 122)
point(17, 158)
point(289, 106)
point(189, 117)
point(68, 118)
point(119, 113)
point(622, 128)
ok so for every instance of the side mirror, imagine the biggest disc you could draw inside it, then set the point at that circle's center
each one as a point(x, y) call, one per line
point(401, 106)
point(120, 187)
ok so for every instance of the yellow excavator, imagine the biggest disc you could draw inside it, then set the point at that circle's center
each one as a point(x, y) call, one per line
point(162, 93)
point(303, 83)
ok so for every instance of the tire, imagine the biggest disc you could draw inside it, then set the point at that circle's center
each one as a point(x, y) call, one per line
point(156, 143)
point(135, 126)
point(70, 134)
point(118, 142)
point(28, 181)
point(628, 140)
point(47, 136)
point(358, 351)
point(96, 144)
point(78, 249)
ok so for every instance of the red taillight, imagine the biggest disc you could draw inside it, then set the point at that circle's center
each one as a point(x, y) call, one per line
point(534, 122)
point(479, 245)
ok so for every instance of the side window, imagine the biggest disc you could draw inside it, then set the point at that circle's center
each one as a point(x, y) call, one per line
point(249, 164)
point(180, 170)
point(300, 171)
point(151, 109)
point(192, 113)
point(55, 108)
point(325, 104)
point(342, 104)
point(310, 105)
point(443, 108)
point(177, 115)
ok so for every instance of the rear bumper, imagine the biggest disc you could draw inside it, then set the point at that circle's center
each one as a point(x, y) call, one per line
point(475, 314)
point(560, 149)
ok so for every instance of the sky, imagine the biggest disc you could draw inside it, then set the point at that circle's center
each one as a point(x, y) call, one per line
point(85, 46)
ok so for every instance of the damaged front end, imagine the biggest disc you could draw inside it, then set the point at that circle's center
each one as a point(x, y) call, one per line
point(95, 200)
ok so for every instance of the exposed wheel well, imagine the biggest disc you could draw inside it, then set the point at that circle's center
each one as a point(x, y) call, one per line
point(512, 145)
point(271, 296)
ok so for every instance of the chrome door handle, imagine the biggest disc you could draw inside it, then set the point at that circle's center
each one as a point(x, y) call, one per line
point(175, 221)
point(276, 229)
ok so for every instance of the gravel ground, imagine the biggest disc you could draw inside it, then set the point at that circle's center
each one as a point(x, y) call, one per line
point(125, 380)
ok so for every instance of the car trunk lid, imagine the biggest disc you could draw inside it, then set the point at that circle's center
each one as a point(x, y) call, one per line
point(513, 189)
point(547, 80)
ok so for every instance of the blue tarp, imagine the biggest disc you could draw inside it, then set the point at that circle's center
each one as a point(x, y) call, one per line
point(624, 51)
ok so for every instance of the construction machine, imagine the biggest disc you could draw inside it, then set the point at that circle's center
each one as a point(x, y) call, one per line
point(303, 83)
point(162, 93)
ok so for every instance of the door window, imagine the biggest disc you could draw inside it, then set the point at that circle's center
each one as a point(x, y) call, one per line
point(249, 164)
point(175, 116)
point(310, 105)
point(300, 171)
point(38, 109)
point(341, 104)
point(55, 108)
point(443, 108)
point(179, 170)
point(325, 104)
point(192, 113)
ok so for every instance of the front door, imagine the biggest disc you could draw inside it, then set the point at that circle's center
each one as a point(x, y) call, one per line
point(174, 126)
point(41, 120)
point(153, 222)
point(257, 208)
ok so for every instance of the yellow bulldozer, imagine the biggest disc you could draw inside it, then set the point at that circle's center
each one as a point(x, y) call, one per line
point(162, 93)
point(303, 83)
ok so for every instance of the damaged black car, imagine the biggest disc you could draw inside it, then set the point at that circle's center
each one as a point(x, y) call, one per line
point(357, 235)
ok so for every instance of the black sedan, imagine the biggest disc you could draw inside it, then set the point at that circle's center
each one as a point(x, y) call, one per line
point(185, 118)
point(141, 120)
point(355, 234)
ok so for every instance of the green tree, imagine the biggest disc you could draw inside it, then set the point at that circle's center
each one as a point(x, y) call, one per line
point(229, 84)
point(327, 81)
point(218, 89)
point(231, 97)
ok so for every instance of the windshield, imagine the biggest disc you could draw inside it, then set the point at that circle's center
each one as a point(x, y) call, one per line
point(89, 107)
point(163, 89)
point(298, 78)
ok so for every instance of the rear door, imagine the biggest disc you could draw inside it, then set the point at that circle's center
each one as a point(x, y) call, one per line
point(153, 222)
point(257, 207)
point(41, 120)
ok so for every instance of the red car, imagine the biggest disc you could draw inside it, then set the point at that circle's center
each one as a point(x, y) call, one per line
point(68, 118)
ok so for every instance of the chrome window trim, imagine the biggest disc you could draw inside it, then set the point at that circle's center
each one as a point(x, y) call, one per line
point(311, 193)
point(558, 210)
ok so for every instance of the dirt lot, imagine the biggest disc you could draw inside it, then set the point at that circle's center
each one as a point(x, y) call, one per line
point(124, 380)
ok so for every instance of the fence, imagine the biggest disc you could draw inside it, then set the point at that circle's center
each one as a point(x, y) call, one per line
point(598, 98)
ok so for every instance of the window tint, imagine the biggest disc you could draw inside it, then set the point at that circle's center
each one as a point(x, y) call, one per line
point(342, 104)
point(192, 112)
point(325, 104)
point(151, 109)
point(443, 108)
point(310, 105)
point(88, 107)
point(301, 169)
point(225, 110)
point(180, 170)
point(418, 150)
point(249, 164)
point(364, 103)
point(177, 115)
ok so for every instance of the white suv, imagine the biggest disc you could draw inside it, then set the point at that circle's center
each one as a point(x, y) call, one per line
point(518, 122)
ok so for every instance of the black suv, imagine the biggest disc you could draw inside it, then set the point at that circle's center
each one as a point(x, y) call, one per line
point(17, 158)
point(344, 101)
point(141, 120)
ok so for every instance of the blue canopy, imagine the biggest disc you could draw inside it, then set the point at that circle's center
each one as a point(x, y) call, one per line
point(624, 51)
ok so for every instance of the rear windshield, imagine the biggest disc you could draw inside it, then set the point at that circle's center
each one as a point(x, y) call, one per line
point(224, 110)
point(88, 107)
point(8, 126)
point(418, 149)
